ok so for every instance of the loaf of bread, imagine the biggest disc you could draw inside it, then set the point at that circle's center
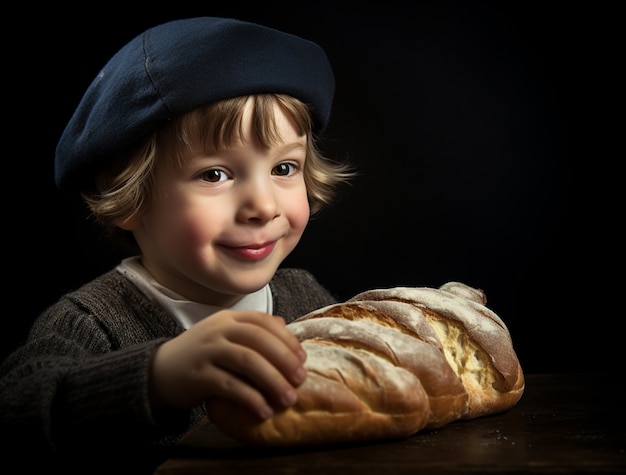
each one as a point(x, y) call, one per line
point(388, 363)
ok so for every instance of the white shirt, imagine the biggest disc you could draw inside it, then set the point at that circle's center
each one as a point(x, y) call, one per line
point(185, 311)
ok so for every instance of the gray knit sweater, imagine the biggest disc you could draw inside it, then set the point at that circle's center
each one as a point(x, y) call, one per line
point(81, 378)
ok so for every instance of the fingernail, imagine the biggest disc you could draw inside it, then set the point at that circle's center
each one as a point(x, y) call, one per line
point(266, 412)
point(300, 375)
point(290, 397)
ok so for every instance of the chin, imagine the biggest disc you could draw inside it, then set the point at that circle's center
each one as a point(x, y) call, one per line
point(248, 283)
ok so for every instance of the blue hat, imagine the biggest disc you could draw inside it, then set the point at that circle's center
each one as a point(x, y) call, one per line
point(178, 66)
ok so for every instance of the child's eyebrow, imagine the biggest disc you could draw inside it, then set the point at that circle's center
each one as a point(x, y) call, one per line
point(291, 146)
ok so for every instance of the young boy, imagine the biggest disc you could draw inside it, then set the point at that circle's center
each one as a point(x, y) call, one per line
point(196, 143)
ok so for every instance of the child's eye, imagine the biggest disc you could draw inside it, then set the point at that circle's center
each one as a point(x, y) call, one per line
point(285, 169)
point(213, 175)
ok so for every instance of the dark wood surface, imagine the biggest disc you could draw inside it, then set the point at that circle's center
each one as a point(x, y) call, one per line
point(566, 423)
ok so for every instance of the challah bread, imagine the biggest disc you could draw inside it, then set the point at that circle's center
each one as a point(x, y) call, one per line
point(388, 363)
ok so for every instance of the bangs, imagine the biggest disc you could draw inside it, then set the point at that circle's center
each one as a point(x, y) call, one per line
point(220, 124)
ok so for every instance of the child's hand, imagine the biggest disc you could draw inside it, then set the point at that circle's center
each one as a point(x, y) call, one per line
point(246, 356)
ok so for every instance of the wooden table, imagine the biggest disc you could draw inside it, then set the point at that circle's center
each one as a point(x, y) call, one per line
point(567, 423)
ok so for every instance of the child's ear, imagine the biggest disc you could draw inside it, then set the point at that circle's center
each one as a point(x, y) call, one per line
point(128, 224)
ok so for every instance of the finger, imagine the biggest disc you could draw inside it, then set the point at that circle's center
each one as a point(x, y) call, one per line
point(291, 340)
point(277, 326)
point(256, 369)
point(274, 354)
point(227, 386)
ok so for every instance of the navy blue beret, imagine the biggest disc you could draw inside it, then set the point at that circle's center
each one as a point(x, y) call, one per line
point(178, 66)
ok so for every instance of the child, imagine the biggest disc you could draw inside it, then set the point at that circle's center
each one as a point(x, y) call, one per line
point(196, 143)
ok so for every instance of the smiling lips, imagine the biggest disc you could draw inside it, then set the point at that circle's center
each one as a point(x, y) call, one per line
point(253, 252)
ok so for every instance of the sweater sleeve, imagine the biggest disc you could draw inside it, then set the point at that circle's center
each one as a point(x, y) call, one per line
point(81, 378)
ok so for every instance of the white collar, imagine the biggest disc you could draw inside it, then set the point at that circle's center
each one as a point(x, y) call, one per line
point(185, 311)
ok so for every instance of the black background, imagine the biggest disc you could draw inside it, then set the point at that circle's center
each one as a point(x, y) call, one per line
point(486, 135)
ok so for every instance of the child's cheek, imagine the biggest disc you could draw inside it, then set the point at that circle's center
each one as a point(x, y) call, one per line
point(191, 233)
point(300, 215)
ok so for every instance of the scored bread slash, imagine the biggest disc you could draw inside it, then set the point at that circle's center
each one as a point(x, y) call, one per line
point(388, 363)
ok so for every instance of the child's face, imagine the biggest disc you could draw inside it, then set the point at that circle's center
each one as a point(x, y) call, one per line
point(219, 227)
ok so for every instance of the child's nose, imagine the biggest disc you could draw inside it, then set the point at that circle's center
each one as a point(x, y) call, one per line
point(259, 202)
